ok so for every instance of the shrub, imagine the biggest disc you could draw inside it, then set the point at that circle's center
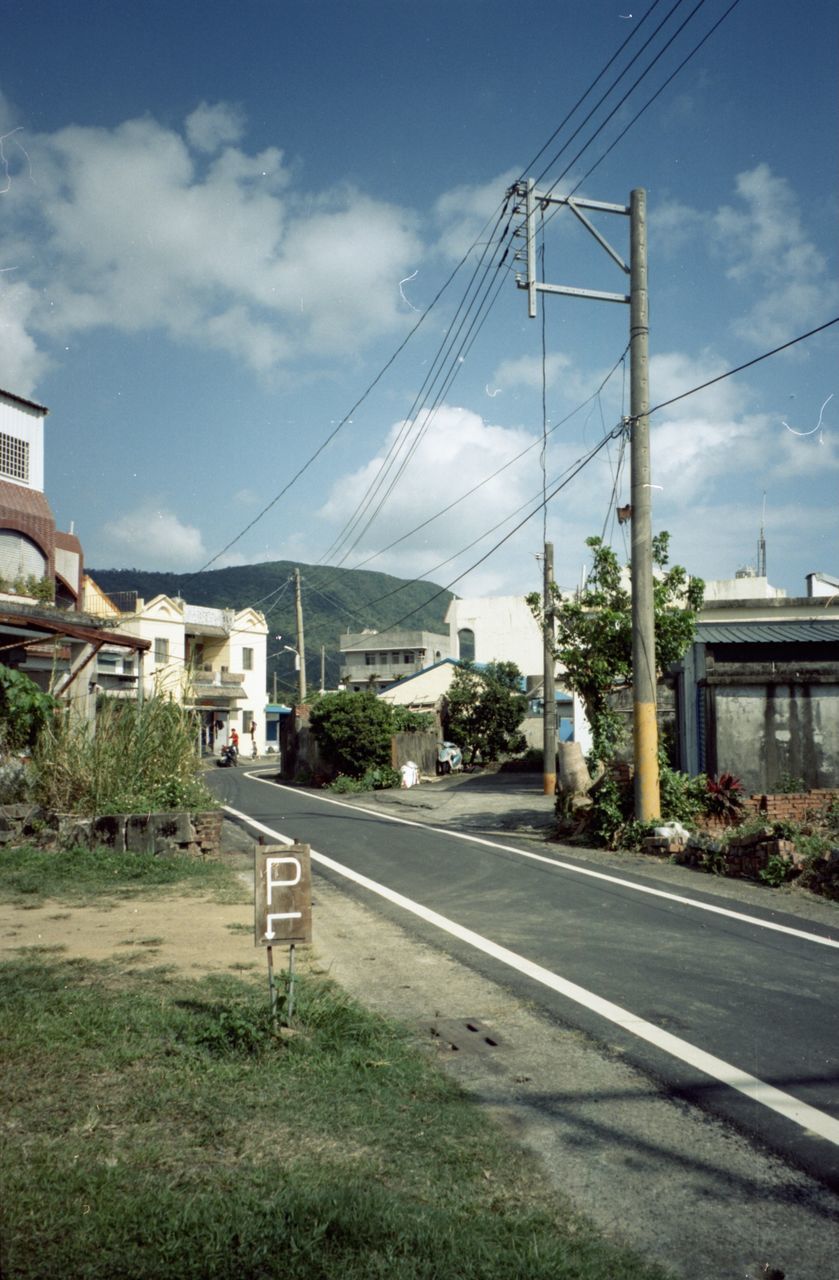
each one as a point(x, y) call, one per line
point(24, 709)
point(142, 757)
point(724, 796)
point(378, 779)
point(353, 730)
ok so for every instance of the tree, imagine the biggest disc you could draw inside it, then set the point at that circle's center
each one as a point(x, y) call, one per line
point(594, 632)
point(485, 708)
point(353, 731)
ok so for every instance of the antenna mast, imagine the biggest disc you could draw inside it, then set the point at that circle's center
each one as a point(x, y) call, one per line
point(761, 544)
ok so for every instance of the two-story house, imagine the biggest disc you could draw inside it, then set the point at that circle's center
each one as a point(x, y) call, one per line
point(375, 659)
point(212, 660)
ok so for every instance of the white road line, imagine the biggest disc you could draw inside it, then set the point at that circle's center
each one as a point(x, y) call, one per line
point(581, 871)
point(815, 1122)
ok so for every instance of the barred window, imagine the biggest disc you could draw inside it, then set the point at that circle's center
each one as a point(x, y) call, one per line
point(14, 457)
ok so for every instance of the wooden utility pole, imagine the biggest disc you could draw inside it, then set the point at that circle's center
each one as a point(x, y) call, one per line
point(549, 707)
point(647, 804)
point(301, 645)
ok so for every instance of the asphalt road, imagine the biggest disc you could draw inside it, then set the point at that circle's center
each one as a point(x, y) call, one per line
point(732, 1008)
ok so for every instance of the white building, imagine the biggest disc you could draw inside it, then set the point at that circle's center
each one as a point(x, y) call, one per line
point(374, 659)
point(213, 660)
point(503, 629)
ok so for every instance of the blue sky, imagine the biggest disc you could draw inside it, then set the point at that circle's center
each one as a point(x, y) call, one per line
point(218, 224)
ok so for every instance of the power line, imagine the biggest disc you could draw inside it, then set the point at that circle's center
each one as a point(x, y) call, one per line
point(578, 467)
point(401, 346)
point(444, 352)
point(601, 444)
point(740, 367)
point(612, 86)
point(492, 476)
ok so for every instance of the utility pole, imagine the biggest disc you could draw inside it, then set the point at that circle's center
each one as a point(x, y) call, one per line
point(323, 668)
point(301, 647)
point(647, 805)
point(647, 800)
point(549, 688)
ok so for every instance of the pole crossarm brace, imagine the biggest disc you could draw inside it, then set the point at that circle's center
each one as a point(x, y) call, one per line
point(644, 675)
point(535, 200)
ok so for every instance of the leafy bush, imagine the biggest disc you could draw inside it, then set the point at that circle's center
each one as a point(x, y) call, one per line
point(24, 709)
point(403, 720)
point(378, 779)
point(788, 784)
point(612, 814)
point(142, 757)
point(683, 798)
point(724, 796)
point(353, 731)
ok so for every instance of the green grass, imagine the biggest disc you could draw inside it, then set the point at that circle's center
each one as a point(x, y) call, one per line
point(166, 1131)
point(32, 876)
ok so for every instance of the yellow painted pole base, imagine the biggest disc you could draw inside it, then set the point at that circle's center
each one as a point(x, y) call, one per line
point(647, 798)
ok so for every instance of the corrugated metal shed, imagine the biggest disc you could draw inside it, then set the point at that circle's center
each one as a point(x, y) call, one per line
point(786, 632)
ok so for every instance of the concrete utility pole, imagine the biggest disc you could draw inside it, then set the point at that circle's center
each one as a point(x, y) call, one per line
point(647, 800)
point(301, 645)
point(647, 805)
point(549, 685)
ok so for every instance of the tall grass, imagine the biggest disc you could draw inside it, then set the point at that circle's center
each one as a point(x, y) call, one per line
point(140, 758)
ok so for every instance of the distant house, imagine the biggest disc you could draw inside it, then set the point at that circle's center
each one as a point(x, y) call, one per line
point(212, 660)
point(374, 659)
point(503, 629)
point(423, 691)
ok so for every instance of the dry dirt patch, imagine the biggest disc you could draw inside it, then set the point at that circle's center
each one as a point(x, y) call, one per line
point(191, 934)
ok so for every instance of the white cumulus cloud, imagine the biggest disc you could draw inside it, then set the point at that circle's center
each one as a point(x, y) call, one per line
point(150, 537)
point(142, 227)
point(457, 451)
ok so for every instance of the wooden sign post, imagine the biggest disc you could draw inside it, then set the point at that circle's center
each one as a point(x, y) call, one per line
point(282, 901)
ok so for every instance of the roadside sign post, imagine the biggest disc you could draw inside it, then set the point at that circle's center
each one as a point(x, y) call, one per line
point(282, 902)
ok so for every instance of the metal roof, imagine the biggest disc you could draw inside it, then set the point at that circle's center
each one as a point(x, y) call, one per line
point(781, 632)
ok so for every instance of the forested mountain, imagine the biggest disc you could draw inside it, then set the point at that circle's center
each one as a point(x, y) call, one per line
point(334, 601)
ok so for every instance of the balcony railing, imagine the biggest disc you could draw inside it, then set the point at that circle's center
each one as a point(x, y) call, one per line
point(216, 679)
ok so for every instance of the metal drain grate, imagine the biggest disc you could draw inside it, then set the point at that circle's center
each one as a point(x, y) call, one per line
point(464, 1035)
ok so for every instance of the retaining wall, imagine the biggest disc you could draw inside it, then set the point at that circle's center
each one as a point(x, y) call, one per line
point(162, 834)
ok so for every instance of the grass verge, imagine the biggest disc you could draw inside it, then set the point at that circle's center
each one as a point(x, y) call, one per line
point(32, 876)
point(166, 1131)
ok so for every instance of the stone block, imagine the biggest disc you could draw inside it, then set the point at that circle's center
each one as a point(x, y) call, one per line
point(74, 831)
point(139, 833)
point(172, 826)
point(109, 831)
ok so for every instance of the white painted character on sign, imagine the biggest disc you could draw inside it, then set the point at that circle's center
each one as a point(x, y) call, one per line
point(272, 884)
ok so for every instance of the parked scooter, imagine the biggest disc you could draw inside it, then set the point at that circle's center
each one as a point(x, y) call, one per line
point(449, 757)
point(228, 758)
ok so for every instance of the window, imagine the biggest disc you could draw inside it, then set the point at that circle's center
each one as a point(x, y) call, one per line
point(161, 650)
point(371, 659)
point(408, 657)
point(247, 659)
point(466, 644)
point(14, 457)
